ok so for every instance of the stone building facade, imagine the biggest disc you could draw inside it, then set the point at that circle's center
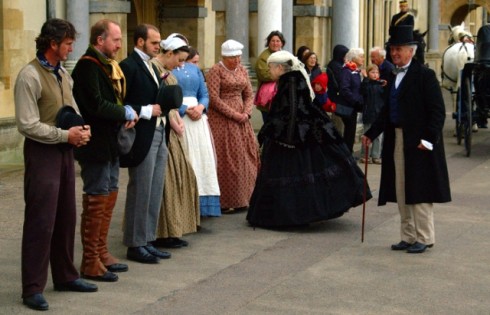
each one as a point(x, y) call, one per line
point(319, 24)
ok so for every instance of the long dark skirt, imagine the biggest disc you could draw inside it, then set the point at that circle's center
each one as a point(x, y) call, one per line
point(301, 185)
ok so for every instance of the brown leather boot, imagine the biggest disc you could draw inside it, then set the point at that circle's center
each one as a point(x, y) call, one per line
point(92, 267)
point(109, 261)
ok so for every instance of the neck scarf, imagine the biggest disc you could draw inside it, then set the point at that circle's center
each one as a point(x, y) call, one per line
point(115, 74)
point(45, 63)
point(352, 66)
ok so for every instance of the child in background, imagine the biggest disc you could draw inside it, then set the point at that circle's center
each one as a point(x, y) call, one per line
point(319, 85)
point(372, 89)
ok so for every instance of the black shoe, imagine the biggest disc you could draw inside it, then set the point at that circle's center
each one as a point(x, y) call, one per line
point(170, 242)
point(418, 248)
point(117, 267)
point(157, 253)
point(36, 302)
point(106, 277)
point(76, 286)
point(141, 254)
point(401, 246)
point(227, 210)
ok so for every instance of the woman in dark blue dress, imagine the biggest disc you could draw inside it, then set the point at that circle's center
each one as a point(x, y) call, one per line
point(307, 172)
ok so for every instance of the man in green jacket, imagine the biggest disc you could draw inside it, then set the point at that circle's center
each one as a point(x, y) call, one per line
point(99, 89)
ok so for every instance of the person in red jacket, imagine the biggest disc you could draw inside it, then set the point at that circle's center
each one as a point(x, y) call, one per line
point(319, 84)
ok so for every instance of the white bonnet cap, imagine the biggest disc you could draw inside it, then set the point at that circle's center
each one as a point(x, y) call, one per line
point(172, 43)
point(231, 48)
point(179, 36)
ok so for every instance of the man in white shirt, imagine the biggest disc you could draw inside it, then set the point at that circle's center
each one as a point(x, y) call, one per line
point(148, 157)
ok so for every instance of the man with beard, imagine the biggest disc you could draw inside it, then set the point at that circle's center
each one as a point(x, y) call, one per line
point(99, 90)
point(42, 88)
point(148, 156)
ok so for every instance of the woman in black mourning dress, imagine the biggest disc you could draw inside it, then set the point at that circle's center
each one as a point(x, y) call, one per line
point(307, 173)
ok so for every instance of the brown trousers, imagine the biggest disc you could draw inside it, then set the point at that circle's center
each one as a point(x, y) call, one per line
point(50, 216)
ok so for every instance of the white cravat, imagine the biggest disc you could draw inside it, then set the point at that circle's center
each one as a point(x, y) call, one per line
point(399, 78)
point(401, 75)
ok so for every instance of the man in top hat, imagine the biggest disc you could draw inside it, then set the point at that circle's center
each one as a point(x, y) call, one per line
point(414, 171)
point(402, 18)
point(147, 159)
point(42, 88)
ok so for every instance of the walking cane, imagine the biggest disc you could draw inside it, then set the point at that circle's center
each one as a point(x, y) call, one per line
point(366, 154)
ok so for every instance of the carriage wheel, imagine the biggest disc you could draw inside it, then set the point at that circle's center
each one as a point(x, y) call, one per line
point(459, 125)
point(466, 115)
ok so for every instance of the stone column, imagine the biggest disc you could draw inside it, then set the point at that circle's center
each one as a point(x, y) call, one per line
point(77, 12)
point(237, 28)
point(345, 23)
point(269, 15)
point(434, 26)
point(287, 24)
point(51, 9)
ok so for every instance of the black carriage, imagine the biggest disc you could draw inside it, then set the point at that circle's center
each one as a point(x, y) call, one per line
point(474, 95)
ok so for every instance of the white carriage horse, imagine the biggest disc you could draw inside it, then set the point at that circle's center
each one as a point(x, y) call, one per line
point(460, 52)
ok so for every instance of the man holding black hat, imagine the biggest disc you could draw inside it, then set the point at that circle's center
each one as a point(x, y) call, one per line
point(414, 171)
point(99, 90)
point(52, 130)
point(147, 159)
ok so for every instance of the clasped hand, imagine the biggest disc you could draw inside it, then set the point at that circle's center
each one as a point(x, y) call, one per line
point(79, 135)
point(195, 113)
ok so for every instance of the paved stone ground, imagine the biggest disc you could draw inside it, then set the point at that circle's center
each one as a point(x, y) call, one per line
point(230, 268)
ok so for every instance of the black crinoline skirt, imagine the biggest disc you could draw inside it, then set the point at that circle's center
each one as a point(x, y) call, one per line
point(301, 185)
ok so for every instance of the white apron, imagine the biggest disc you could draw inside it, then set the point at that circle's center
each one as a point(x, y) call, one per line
point(201, 151)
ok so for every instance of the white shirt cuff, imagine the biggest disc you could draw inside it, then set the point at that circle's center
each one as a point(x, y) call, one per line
point(427, 144)
point(146, 112)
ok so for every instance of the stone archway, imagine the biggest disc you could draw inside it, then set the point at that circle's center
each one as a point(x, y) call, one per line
point(457, 11)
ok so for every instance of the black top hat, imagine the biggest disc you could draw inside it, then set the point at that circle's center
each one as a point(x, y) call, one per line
point(169, 97)
point(67, 117)
point(402, 36)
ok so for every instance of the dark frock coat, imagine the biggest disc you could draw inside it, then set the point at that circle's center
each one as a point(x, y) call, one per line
point(422, 115)
point(96, 99)
point(141, 91)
